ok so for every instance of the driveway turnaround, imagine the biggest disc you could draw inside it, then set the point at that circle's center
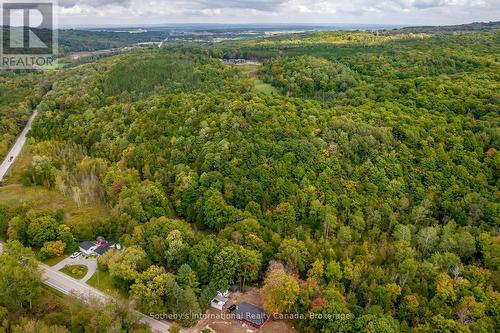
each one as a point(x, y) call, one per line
point(90, 263)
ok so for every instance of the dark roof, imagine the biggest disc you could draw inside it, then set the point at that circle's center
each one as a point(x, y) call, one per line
point(252, 314)
point(86, 245)
point(102, 249)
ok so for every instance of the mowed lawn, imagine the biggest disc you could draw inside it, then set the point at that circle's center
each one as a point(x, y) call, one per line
point(103, 281)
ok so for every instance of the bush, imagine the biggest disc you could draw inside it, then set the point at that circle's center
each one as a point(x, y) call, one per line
point(51, 249)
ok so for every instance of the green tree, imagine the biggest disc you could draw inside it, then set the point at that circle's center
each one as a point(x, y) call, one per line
point(427, 240)
point(227, 263)
point(186, 278)
point(293, 254)
point(251, 262)
point(20, 280)
point(126, 267)
point(333, 271)
point(376, 323)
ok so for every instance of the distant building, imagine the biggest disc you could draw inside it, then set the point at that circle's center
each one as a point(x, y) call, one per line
point(251, 314)
point(238, 61)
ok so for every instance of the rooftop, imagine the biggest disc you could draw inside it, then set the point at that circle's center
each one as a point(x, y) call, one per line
point(86, 245)
point(220, 299)
point(251, 313)
point(102, 249)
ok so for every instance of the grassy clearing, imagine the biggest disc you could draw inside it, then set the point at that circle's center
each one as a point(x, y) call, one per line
point(265, 88)
point(13, 194)
point(75, 271)
point(259, 86)
point(38, 197)
point(22, 162)
point(104, 282)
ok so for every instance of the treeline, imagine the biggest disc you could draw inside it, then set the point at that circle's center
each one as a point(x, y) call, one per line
point(71, 40)
point(19, 95)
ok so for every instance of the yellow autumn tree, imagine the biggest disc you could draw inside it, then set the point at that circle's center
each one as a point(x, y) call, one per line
point(444, 287)
point(280, 291)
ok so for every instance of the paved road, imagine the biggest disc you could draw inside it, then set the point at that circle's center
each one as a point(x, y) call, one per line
point(65, 284)
point(68, 285)
point(16, 149)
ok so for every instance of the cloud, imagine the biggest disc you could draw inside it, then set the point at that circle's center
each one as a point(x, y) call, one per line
point(283, 11)
point(424, 4)
point(93, 3)
point(261, 5)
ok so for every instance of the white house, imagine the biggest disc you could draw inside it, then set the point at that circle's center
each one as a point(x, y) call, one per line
point(87, 247)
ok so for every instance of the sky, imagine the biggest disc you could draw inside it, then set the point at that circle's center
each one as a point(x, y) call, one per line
point(398, 12)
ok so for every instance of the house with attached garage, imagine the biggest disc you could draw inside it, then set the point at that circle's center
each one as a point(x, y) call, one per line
point(99, 247)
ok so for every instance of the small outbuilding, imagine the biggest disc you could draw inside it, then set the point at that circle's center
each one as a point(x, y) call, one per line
point(251, 314)
point(219, 300)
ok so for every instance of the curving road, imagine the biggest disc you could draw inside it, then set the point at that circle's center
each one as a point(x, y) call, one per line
point(68, 285)
point(16, 149)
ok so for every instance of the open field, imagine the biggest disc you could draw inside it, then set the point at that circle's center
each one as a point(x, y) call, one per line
point(53, 260)
point(14, 194)
point(38, 197)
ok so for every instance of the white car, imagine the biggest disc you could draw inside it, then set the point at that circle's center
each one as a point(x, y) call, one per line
point(76, 255)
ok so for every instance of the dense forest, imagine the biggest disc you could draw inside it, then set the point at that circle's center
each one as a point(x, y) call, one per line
point(365, 184)
point(20, 93)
